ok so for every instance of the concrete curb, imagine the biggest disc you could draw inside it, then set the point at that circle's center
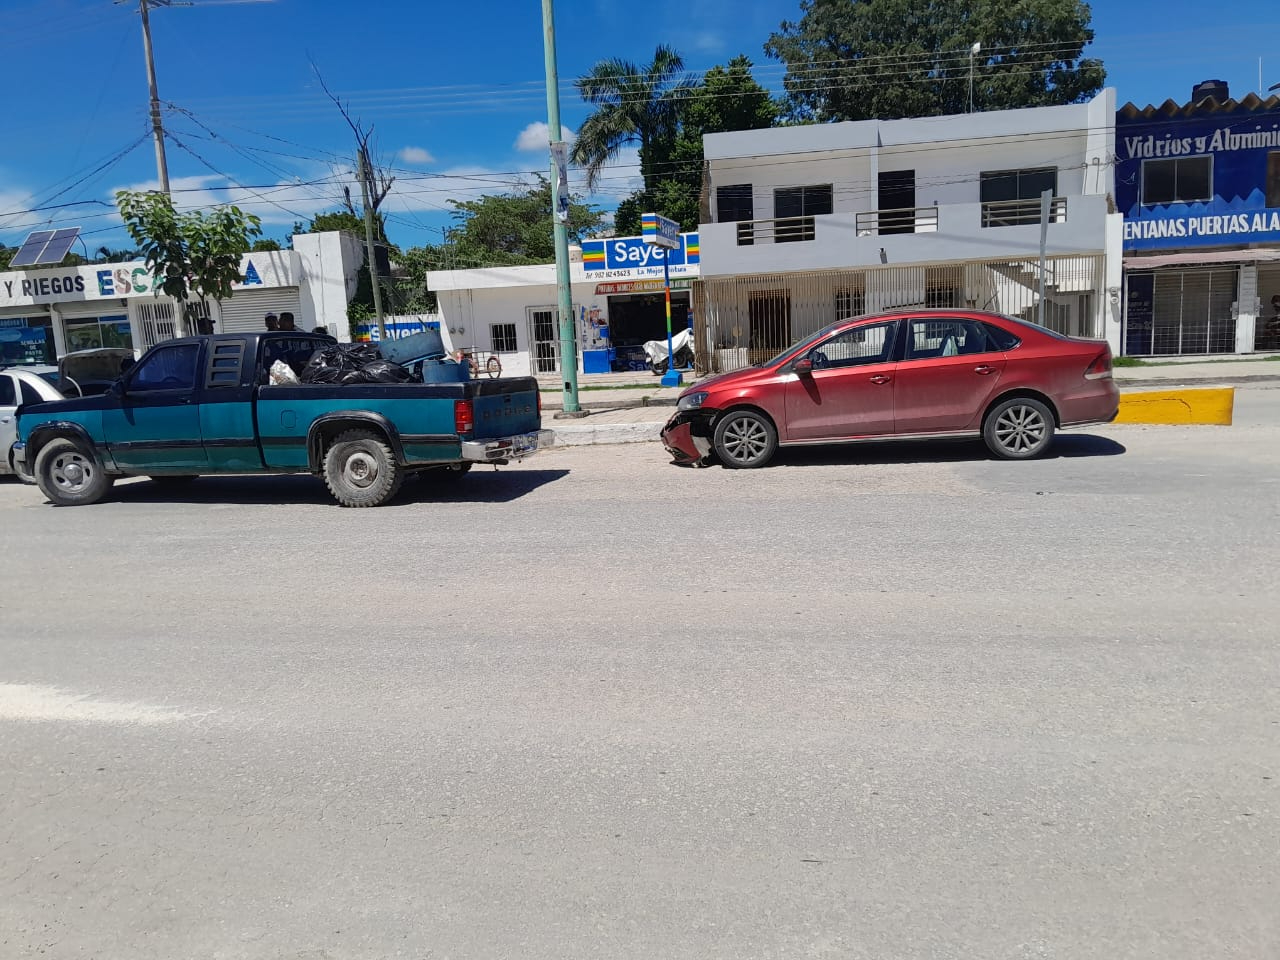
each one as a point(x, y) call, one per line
point(1209, 406)
point(1192, 382)
point(584, 434)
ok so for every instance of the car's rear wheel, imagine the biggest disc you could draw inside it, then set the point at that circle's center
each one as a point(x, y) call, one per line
point(1018, 428)
point(360, 470)
point(744, 439)
point(69, 475)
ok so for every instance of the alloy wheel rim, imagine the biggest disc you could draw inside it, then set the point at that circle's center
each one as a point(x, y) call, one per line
point(360, 470)
point(1020, 429)
point(745, 439)
point(71, 472)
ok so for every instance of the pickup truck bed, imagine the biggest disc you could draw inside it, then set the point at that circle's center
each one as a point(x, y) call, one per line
point(202, 405)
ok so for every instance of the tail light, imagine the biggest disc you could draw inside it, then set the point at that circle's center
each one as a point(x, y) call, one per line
point(1100, 369)
point(464, 417)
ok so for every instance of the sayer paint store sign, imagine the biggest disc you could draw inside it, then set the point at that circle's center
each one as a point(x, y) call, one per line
point(628, 258)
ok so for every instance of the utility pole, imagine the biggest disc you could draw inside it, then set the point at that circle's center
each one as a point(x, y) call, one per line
point(157, 125)
point(559, 168)
point(366, 172)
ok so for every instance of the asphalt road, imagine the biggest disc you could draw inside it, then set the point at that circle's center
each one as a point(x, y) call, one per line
point(880, 702)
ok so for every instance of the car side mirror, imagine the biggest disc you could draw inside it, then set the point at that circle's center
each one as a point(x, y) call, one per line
point(803, 367)
point(117, 389)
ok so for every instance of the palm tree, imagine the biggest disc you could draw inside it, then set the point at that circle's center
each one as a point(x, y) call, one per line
point(107, 255)
point(633, 104)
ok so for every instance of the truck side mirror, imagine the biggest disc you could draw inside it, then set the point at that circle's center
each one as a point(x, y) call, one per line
point(117, 389)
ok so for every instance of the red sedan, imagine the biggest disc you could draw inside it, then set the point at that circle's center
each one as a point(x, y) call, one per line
point(905, 375)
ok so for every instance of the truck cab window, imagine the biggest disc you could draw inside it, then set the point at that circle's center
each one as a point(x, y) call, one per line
point(168, 368)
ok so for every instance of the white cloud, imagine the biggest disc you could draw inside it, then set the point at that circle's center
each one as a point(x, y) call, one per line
point(533, 138)
point(415, 155)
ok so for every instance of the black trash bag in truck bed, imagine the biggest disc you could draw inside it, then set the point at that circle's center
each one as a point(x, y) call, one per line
point(352, 363)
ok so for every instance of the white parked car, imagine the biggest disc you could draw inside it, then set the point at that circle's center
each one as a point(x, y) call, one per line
point(21, 385)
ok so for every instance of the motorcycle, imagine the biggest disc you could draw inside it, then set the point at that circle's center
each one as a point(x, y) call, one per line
point(655, 352)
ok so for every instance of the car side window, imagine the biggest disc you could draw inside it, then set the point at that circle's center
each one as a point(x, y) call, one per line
point(1000, 338)
point(8, 397)
point(294, 352)
point(168, 368)
point(945, 337)
point(856, 347)
point(29, 393)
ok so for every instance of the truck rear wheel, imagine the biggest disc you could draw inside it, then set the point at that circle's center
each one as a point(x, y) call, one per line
point(360, 469)
point(69, 475)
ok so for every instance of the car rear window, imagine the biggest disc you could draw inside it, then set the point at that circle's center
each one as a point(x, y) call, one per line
point(1001, 338)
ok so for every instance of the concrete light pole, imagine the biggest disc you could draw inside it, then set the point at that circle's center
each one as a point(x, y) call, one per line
point(973, 52)
point(560, 215)
point(157, 125)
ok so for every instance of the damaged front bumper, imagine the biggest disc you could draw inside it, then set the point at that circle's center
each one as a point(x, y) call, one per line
point(687, 435)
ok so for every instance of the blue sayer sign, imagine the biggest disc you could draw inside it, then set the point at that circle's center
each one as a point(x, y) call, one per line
point(632, 253)
point(1241, 149)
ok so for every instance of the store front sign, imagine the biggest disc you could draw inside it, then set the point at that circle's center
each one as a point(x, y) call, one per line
point(19, 288)
point(1227, 164)
point(638, 286)
point(630, 257)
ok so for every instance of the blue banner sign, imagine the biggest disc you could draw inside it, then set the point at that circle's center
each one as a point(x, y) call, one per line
point(632, 253)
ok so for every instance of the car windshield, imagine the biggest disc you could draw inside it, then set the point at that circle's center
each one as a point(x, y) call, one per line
point(807, 341)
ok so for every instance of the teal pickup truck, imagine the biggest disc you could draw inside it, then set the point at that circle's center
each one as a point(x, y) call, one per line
point(205, 405)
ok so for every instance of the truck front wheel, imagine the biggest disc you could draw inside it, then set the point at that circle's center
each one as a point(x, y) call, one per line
point(360, 469)
point(70, 476)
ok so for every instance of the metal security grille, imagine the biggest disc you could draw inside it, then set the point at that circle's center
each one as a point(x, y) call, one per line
point(744, 320)
point(1191, 312)
point(155, 320)
point(1266, 332)
point(543, 333)
point(246, 311)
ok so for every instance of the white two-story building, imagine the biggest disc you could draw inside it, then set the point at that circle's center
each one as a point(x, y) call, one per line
point(813, 224)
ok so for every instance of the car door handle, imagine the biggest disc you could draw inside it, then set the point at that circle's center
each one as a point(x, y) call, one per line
point(983, 369)
point(6, 419)
point(880, 378)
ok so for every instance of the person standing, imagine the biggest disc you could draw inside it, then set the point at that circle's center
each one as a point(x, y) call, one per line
point(286, 321)
point(272, 322)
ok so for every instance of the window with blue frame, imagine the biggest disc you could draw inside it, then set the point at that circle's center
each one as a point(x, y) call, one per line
point(1177, 180)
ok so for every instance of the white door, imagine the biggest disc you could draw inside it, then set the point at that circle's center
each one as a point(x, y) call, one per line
point(8, 425)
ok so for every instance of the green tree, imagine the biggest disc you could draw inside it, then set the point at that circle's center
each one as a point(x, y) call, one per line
point(633, 104)
point(512, 228)
point(728, 98)
point(860, 59)
point(193, 255)
point(110, 255)
point(264, 245)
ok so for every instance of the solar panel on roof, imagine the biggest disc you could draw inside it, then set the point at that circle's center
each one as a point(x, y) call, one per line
point(28, 254)
point(45, 247)
point(58, 246)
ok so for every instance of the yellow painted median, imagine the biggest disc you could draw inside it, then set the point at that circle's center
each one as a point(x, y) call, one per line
point(1208, 405)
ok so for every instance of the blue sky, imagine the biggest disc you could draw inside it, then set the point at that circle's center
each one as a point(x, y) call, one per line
point(454, 93)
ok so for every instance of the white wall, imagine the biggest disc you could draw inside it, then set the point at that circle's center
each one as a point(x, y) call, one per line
point(948, 155)
point(328, 270)
point(468, 315)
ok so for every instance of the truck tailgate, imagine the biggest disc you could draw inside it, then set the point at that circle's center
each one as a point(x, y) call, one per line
point(504, 407)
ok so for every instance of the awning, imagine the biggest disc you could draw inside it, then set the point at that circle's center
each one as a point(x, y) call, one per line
point(1206, 257)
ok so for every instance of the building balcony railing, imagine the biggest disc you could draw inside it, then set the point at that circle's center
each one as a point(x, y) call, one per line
point(875, 223)
point(1018, 213)
point(961, 231)
point(775, 230)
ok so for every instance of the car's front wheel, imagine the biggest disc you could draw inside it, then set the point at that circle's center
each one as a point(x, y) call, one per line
point(360, 470)
point(744, 438)
point(22, 473)
point(69, 475)
point(1018, 429)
